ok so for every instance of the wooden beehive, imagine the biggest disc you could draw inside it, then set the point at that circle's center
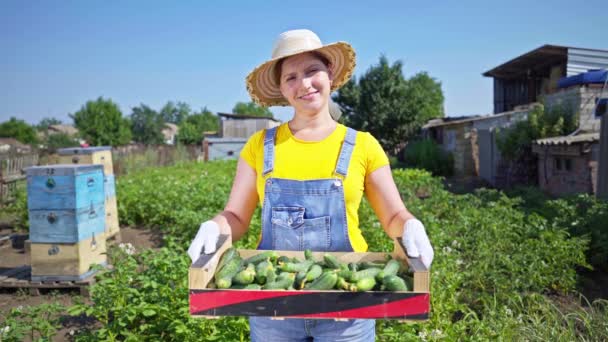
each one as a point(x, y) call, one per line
point(63, 261)
point(66, 203)
point(402, 305)
point(97, 155)
point(66, 206)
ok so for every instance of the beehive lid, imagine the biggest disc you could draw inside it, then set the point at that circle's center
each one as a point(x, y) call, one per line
point(62, 169)
point(82, 150)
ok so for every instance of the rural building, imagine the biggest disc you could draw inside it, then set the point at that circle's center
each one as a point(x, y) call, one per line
point(568, 164)
point(234, 130)
point(170, 133)
point(554, 75)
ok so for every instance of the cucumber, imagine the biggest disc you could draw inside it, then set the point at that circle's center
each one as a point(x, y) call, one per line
point(353, 266)
point(284, 281)
point(394, 283)
point(331, 261)
point(261, 270)
point(308, 254)
point(346, 274)
point(247, 287)
point(283, 259)
point(314, 272)
point(366, 273)
point(272, 255)
point(228, 255)
point(300, 279)
point(229, 270)
point(342, 284)
point(391, 268)
point(270, 276)
point(368, 264)
point(364, 284)
point(299, 267)
point(326, 281)
point(246, 276)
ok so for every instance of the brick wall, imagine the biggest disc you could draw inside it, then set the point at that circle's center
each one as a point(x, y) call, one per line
point(580, 179)
point(580, 100)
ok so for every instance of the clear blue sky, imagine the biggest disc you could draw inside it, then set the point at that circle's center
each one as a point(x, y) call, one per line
point(56, 55)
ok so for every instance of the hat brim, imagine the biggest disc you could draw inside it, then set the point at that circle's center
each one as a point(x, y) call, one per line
point(265, 91)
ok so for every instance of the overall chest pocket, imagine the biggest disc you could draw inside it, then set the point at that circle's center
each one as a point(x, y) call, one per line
point(291, 230)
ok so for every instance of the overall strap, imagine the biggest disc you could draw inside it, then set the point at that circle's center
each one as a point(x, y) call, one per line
point(269, 150)
point(346, 152)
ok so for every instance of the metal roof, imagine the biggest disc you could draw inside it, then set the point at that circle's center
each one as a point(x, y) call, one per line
point(241, 116)
point(540, 60)
point(570, 139)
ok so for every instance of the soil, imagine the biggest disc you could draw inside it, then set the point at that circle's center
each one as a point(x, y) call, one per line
point(12, 255)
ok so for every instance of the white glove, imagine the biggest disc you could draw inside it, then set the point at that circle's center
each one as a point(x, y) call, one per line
point(416, 242)
point(207, 236)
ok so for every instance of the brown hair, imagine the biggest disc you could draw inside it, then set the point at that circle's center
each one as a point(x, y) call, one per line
point(279, 64)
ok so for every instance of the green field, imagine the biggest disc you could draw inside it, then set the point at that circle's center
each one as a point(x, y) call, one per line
point(505, 267)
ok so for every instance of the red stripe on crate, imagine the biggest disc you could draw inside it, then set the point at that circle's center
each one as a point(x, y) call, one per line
point(201, 300)
point(413, 306)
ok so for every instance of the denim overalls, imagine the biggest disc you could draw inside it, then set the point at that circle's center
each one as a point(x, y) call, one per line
point(297, 215)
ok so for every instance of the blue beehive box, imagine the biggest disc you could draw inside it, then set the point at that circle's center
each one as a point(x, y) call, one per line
point(109, 186)
point(66, 203)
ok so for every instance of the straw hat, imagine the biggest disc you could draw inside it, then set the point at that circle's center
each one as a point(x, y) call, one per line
point(261, 82)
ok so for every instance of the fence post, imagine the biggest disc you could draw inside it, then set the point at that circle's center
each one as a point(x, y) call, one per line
point(602, 172)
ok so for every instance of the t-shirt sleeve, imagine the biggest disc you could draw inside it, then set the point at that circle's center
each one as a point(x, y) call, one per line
point(251, 150)
point(376, 157)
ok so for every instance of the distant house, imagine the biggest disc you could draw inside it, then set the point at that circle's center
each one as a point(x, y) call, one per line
point(568, 164)
point(234, 130)
point(243, 126)
point(555, 75)
point(65, 129)
point(13, 146)
point(170, 133)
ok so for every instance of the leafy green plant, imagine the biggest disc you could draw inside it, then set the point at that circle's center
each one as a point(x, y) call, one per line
point(428, 155)
point(37, 323)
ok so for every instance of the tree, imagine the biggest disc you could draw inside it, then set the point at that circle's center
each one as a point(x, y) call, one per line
point(147, 125)
point(100, 122)
point(18, 129)
point(192, 128)
point(60, 140)
point(251, 108)
point(175, 113)
point(389, 106)
point(44, 124)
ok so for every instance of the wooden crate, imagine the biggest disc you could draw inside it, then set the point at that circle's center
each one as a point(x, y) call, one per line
point(403, 305)
point(67, 262)
point(88, 155)
point(66, 203)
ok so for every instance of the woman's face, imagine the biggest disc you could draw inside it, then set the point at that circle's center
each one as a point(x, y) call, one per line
point(305, 83)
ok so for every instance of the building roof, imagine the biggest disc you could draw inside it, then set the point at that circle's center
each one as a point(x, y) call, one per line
point(540, 59)
point(241, 117)
point(66, 129)
point(448, 121)
point(569, 139)
point(13, 142)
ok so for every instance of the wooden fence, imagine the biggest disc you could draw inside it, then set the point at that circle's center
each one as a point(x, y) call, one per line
point(12, 170)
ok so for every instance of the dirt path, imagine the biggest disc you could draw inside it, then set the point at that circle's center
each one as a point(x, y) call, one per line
point(12, 298)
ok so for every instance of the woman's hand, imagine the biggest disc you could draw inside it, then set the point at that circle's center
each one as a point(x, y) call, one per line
point(416, 241)
point(205, 240)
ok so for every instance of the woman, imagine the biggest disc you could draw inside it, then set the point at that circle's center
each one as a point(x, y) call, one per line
point(310, 174)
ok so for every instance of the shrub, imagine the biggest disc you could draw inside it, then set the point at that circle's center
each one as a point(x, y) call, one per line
point(426, 154)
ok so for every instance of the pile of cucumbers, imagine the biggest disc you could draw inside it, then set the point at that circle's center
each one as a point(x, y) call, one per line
point(270, 271)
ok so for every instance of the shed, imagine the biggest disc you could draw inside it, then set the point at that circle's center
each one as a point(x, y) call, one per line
point(526, 78)
point(568, 164)
point(243, 126)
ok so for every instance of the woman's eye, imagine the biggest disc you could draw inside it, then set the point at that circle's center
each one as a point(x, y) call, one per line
point(290, 78)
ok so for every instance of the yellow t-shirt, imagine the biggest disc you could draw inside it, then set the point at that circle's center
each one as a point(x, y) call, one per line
point(304, 160)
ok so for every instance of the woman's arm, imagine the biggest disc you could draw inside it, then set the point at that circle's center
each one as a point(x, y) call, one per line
point(235, 218)
point(384, 198)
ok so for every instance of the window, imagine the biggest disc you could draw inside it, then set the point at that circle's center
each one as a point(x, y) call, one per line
point(562, 164)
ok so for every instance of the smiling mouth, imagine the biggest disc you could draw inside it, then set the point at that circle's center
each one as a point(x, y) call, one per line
point(308, 95)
